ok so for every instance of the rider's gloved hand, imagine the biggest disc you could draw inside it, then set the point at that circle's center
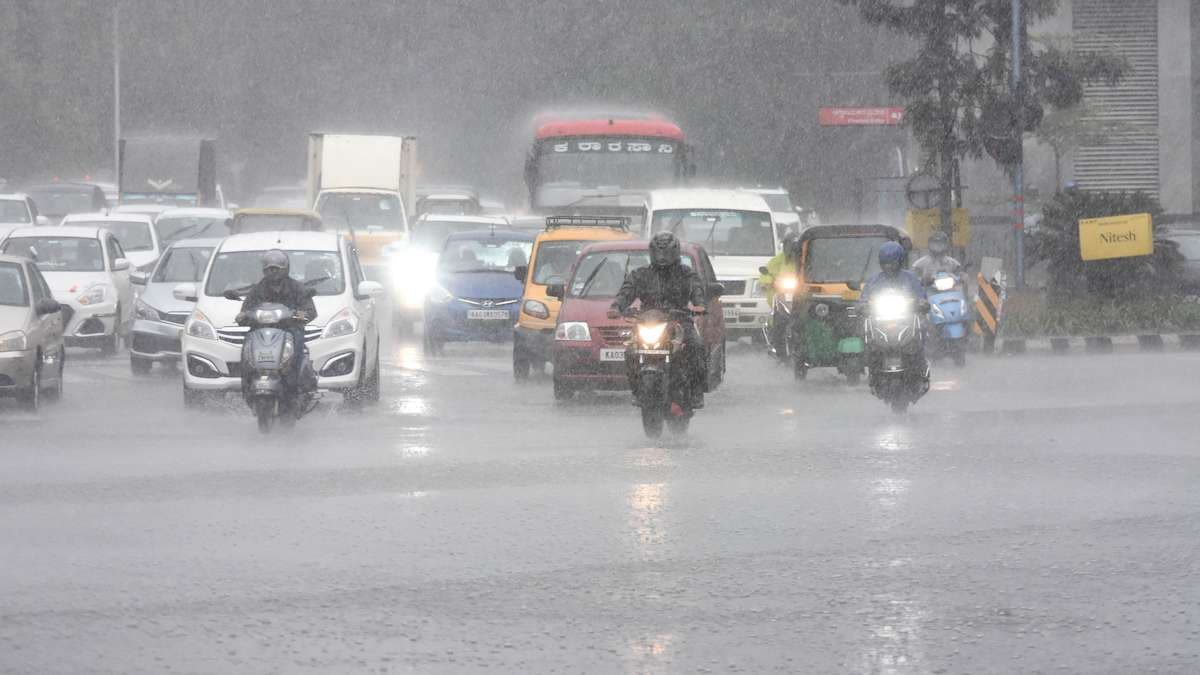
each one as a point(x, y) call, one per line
point(300, 315)
point(698, 309)
point(613, 313)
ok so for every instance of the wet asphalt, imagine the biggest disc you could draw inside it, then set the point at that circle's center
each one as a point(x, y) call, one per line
point(1031, 514)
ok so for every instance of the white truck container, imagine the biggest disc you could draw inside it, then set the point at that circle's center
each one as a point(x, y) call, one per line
point(339, 161)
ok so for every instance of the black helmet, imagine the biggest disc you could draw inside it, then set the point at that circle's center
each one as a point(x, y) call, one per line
point(939, 243)
point(275, 258)
point(664, 250)
point(791, 244)
point(891, 256)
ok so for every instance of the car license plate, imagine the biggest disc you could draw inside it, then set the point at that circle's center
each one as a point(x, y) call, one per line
point(612, 354)
point(731, 313)
point(488, 314)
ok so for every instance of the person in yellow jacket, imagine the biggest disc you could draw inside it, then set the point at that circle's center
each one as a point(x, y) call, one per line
point(782, 265)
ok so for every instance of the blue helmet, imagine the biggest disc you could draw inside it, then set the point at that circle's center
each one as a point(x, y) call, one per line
point(891, 253)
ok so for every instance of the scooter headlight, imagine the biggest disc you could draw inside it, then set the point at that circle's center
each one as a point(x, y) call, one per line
point(943, 283)
point(269, 317)
point(651, 334)
point(289, 350)
point(786, 284)
point(890, 307)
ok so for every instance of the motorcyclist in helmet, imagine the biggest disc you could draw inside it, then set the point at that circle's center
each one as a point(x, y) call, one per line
point(893, 277)
point(781, 265)
point(277, 286)
point(937, 260)
point(668, 284)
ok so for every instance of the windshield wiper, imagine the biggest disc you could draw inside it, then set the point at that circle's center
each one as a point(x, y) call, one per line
point(182, 234)
point(587, 283)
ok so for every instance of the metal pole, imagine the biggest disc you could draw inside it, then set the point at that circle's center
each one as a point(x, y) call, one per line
point(1019, 172)
point(116, 38)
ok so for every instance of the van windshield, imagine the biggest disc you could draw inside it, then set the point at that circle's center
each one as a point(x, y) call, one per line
point(719, 232)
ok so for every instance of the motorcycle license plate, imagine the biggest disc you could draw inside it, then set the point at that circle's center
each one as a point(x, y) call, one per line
point(612, 354)
point(893, 363)
point(787, 297)
point(487, 314)
point(731, 313)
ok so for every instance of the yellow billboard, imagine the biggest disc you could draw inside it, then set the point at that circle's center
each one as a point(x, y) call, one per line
point(921, 223)
point(1116, 237)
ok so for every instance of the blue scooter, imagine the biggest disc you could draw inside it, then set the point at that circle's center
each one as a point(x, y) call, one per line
point(948, 318)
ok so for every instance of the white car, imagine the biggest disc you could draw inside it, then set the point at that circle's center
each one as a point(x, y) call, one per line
point(152, 210)
point(135, 231)
point(738, 231)
point(343, 340)
point(89, 275)
point(18, 210)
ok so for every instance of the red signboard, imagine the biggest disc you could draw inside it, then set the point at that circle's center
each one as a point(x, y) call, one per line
point(856, 117)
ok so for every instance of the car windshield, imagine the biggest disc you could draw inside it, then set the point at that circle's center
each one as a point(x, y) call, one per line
point(182, 265)
point(719, 232)
point(778, 203)
point(841, 259)
point(59, 254)
point(449, 207)
point(12, 285)
point(362, 211)
point(490, 254)
point(176, 228)
point(271, 222)
point(241, 269)
point(281, 198)
point(134, 235)
point(13, 211)
point(60, 202)
point(432, 234)
point(600, 274)
point(554, 259)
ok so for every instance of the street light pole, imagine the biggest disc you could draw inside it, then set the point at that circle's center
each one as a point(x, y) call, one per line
point(1019, 170)
point(116, 48)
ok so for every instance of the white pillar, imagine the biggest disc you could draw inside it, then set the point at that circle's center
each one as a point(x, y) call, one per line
point(1175, 102)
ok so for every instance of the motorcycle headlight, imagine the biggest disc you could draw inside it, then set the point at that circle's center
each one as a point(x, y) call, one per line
point(198, 326)
point(14, 341)
point(786, 284)
point(536, 309)
point(94, 295)
point(651, 333)
point(344, 322)
point(890, 307)
point(573, 331)
point(143, 311)
point(943, 283)
point(440, 295)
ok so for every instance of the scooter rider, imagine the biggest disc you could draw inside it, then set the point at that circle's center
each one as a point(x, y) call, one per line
point(782, 264)
point(893, 277)
point(277, 286)
point(937, 260)
point(667, 284)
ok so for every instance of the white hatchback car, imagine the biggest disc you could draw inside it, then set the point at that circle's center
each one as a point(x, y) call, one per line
point(135, 231)
point(89, 275)
point(343, 340)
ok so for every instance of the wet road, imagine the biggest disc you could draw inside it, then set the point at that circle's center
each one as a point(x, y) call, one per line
point(1030, 515)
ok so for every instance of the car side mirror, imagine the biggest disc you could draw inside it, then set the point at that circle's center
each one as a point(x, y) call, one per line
point(231, 294)
point(120, 265)
point(369, 289)
point(184, 292)
point(521, 272)
point(854, 285)
point(763, 270)
point(556, 291)
point(47, 306)
point(716, 290)
point(42, 221)
point(138, 277)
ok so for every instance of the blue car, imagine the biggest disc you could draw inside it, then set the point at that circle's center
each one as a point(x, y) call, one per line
point(477, 295)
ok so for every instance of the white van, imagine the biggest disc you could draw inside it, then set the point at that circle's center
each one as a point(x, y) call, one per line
point(738, 232)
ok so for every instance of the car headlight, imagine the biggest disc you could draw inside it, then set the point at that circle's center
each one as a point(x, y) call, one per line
point(94, 295)
point(651, 333)
point(344, 322)
point(394, 248)
point(198, 326)
point(439, 295)
point(536, 309)
point(14, 341)
point(143, 311)
point(573, 331)
point(890, 307)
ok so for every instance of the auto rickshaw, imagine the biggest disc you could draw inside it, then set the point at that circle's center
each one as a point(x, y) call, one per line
point(835, 262)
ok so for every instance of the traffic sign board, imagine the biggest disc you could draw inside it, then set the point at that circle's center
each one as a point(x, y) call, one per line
point(924, 191)
point(858, 117)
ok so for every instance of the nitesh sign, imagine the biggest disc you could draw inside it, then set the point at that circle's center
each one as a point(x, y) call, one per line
point(862, 117)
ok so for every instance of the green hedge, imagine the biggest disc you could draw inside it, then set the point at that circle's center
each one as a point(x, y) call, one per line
point(1035, 316)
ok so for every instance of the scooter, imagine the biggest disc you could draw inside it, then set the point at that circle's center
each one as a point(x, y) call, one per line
point(777, 335)
point(948, 318)
point(897, 372)
point(662, 388)
point(267, 354)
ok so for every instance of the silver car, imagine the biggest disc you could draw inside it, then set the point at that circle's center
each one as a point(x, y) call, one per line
point(158, 315)
point(32, 353)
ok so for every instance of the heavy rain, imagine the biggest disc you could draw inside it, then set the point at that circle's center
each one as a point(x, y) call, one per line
point(805, 336)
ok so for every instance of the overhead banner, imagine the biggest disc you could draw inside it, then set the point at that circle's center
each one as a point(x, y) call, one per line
point(921, 223)
point(1116, 237)
point(859, 117)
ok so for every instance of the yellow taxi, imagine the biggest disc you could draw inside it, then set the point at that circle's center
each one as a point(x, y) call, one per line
point(554, 252)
